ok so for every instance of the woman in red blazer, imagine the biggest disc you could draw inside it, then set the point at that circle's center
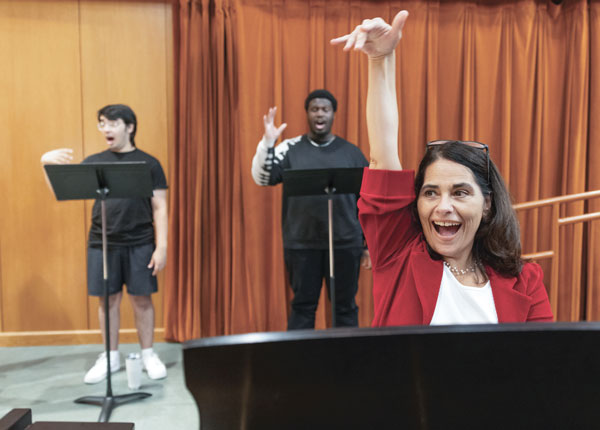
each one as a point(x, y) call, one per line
point(445, 244)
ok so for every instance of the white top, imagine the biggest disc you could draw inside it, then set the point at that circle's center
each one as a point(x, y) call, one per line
point(459, 304)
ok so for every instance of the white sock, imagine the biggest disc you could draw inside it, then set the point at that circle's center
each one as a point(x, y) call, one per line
point(114, 355)
point(147, 352)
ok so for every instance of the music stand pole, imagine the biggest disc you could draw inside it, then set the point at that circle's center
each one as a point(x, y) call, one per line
point(330, 191)
point(107, 405)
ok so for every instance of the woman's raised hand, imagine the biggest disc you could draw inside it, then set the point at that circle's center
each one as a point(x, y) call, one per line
point(374, 37)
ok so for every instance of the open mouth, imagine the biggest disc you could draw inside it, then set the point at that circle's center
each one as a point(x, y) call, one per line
point(319, 125)
point(110, 139)
point(446, 228)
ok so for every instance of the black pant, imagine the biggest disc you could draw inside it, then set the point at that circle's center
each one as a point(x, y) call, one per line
point(306, 269)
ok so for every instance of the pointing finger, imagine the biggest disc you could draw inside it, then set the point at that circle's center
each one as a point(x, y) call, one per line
point(339, 40)
point(351, 40)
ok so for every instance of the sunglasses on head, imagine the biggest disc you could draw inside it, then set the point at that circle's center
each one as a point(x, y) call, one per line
point(471, 143)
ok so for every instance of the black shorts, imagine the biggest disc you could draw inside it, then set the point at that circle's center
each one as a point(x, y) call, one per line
point(126, 265)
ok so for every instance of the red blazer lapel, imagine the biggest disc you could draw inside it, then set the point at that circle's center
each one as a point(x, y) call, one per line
point(428, 277)
point(511, 306)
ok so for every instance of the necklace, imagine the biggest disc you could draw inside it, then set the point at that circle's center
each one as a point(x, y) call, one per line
point(460, 272)
point(322, 145)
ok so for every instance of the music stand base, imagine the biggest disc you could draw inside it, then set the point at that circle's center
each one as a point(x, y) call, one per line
point(108, 403)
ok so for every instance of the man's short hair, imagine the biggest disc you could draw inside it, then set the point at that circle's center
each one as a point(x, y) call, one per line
point(118, 111)
point(321, 94)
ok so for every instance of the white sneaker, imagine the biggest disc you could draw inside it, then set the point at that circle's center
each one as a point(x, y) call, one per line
point(155, 368)
point(98, 371)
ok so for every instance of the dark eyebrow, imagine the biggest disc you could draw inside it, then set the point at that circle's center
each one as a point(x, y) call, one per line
point(463, 185)
point(454, 186)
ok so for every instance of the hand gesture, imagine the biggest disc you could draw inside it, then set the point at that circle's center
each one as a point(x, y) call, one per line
point(58, 156)
point(365, 260)
point(272, 133)
point(157, 261)
point(374, 37)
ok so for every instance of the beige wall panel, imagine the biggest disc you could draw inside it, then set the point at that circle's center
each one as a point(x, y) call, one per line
point(42, 253)
point(69, 337)
point(125, 59)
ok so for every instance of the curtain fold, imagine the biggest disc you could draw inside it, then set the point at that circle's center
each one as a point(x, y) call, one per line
point(517, 75)
point(198, 299)
point(592, 275)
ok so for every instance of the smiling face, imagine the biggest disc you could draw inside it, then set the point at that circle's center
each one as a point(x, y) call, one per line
point(320, 119)
point(450, 206)
point(116, 133)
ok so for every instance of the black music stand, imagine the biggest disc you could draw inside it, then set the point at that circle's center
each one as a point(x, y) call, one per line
point(102, 181)
point(534, 376)
point(313, 182)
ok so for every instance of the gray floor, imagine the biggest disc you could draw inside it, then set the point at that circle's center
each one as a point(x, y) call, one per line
point(48, 379)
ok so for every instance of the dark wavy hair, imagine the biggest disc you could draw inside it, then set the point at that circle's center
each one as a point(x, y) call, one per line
point(124, 112)
point(497, 240)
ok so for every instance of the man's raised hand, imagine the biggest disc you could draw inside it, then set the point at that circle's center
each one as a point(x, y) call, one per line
point(374, 37)
point(272, 133)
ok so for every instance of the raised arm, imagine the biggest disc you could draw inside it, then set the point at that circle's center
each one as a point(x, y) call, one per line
point(262, 162)
point(56, 156)
point(378, 40)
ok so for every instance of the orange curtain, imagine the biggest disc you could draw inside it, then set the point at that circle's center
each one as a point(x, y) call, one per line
point(203, 236)
point(516, 75)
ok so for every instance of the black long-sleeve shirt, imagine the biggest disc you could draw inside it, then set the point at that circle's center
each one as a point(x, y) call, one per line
point(304, 219)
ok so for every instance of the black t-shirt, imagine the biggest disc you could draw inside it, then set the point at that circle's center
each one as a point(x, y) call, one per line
point(128, 221)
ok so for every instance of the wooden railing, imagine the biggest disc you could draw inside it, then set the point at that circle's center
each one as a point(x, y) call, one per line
point(556, 222)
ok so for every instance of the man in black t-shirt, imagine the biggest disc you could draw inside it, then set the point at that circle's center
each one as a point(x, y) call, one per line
point(137, 242)
point(305, 219)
